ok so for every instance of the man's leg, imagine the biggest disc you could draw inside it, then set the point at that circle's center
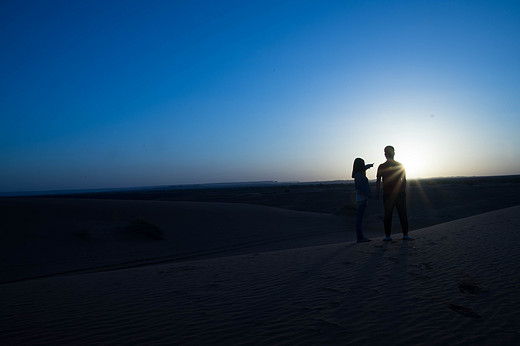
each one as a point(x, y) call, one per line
point(400, 204)
point(389, 203)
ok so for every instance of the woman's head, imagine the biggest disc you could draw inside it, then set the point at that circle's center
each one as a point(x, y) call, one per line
point(359, 166)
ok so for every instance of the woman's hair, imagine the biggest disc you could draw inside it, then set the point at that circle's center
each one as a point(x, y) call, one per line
point(359, 166)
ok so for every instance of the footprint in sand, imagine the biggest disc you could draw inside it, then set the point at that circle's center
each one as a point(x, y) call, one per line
point(393, 259)
point(464, 311)
point(468, 285)
point(425, 266)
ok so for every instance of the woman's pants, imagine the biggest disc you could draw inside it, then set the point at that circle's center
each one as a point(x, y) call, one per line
point(361, 207)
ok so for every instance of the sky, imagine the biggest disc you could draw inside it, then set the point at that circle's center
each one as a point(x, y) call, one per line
point(108, 94)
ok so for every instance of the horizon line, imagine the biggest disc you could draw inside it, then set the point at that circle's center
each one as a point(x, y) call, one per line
point(215, 185)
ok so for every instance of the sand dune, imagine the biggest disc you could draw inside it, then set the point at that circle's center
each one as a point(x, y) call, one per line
point(455, 283)
point(48, 236)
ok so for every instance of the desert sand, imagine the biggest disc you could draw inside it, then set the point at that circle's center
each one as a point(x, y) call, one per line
point(106, 271)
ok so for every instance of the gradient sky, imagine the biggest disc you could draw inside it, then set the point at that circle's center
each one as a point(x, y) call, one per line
point(98, 94)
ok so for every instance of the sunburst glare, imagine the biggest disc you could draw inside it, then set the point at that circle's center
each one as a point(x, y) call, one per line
point(414, 162)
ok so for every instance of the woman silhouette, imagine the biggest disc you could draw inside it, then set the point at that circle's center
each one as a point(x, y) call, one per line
point(362, 194)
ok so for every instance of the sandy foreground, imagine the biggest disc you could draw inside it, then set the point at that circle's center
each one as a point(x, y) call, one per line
point(42, 237)
point(91, 281)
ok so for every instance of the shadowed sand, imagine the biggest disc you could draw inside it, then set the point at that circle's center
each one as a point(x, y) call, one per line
point(455, 283)
point(42, 237)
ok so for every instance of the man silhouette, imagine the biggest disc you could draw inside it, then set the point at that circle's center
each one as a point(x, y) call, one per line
point(394, 192)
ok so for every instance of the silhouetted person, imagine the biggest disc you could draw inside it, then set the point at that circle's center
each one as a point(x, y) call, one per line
point(394, 192)
point(362, 194)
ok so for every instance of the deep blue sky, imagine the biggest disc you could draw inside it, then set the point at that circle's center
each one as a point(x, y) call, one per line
point(100, 94)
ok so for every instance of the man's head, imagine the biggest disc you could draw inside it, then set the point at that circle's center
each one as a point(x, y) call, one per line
point(389, 152)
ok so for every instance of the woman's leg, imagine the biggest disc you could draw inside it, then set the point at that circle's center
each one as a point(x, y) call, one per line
point(361, 206)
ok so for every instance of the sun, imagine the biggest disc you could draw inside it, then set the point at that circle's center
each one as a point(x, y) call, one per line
point(413, 161)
